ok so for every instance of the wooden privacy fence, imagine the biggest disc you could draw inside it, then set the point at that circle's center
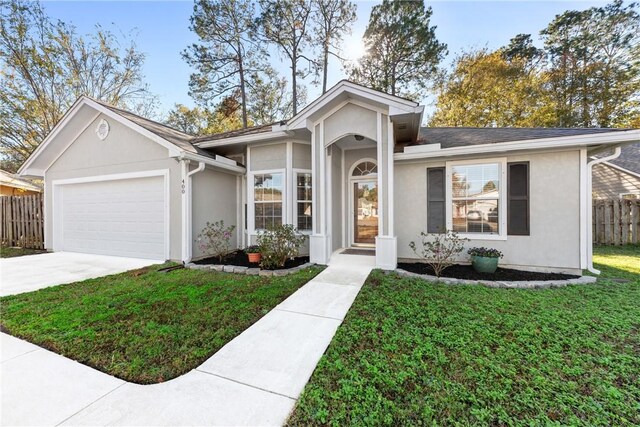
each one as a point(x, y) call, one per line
point(616, 222)
point(22, 221)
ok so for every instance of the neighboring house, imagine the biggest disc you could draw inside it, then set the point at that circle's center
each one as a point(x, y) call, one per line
point(353, 168)
point(619, 178)
point(12, 185)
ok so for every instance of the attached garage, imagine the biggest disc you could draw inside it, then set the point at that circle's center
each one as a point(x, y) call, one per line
point(113, 215)
point(118, 184)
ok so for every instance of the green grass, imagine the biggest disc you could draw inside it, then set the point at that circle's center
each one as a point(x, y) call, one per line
point(146, 326)
point(621, 262)
point(7, 252)
point(416, 353)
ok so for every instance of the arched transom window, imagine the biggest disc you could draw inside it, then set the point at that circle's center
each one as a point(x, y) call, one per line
point(365, 168)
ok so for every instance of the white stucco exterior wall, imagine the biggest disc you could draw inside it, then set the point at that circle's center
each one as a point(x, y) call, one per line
point(554, 240)
point(301, 156)
point(268, 157)
point(351, 119)
point(214, 198)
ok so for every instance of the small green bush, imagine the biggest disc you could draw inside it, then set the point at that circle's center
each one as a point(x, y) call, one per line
point(278, 244)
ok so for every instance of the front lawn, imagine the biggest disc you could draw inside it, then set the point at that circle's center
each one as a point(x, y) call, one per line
point(10, 252)
point(411, 352)
point(146, 326)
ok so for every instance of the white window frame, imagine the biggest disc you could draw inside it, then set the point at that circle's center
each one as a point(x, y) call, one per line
point(502, 200)
point(251, 200)
point(294, 220)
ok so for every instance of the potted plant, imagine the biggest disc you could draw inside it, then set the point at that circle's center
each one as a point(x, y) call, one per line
point(485, 260)
point(253, 252)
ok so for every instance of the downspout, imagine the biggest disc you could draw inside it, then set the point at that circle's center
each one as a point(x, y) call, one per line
point(187, 218)
point(589, 207)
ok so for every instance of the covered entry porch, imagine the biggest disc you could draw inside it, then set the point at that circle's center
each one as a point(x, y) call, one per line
point(353, 130)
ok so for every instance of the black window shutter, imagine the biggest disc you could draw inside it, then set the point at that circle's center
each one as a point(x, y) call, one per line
point(518, 199)
point(435, 200)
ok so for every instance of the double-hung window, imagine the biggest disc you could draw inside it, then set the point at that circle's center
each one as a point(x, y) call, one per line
point(268, 190)
point(303, 201)
point(476, 198)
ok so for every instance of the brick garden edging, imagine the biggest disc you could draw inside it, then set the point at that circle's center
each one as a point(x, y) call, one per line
point(247, 270)
point(533, 284)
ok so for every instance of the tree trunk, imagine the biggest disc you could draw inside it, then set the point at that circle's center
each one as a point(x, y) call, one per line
point(324, 67)
point(294, 89)
point(243, 92)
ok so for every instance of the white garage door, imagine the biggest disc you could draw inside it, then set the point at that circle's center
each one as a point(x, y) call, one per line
point(121, 217)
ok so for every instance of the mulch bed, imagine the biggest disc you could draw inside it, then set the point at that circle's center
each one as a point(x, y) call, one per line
point(240, 259)
point(467, 272)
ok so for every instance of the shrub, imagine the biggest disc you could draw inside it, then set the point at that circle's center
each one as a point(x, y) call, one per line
point(439, 250)
point(215, 239)
point(485, 252)
point(279, 243)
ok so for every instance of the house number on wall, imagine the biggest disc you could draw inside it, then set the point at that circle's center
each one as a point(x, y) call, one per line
point(183, 186)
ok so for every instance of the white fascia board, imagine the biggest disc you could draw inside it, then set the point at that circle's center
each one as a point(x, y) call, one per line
point(56, 129)
point(32, 172)
point(394, 110)
point(244, 139)
point(216, 163)
point(609, 138)
point(427, 148)
point(299, 121)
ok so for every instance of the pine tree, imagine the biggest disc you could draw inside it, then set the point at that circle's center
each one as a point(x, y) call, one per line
point(228, 51)
point(402, 51)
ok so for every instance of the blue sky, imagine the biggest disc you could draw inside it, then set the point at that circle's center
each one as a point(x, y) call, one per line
point(161, 30)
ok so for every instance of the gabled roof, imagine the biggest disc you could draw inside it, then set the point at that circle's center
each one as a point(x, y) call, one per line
point(449, 137)
point(87, 109)
point(174, 136)
point(350, 90)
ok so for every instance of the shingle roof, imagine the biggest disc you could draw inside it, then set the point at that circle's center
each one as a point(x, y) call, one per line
point(238, 132)
point(180, 139)
point(629, 158)
point(449, 137)
point(183, 140)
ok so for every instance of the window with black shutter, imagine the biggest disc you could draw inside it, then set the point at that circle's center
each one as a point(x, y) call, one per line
point(436, 200)
point(518, 198)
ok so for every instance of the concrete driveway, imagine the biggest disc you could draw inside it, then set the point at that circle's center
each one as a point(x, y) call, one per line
point(32, 272)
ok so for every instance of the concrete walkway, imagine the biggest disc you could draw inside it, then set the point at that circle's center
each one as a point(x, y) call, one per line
point(33, 272)
point(254, 380)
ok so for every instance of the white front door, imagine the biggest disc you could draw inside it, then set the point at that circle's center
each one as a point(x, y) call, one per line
point(124, 217)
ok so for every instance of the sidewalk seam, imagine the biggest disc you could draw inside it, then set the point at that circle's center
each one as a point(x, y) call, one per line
point(20, 355)
point(245, 384)
point(308, 314)
point(86, 406)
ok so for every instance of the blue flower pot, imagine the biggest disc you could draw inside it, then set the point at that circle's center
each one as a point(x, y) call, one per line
point(483, 264)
